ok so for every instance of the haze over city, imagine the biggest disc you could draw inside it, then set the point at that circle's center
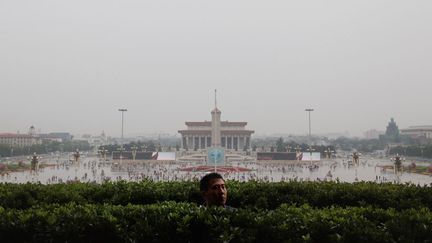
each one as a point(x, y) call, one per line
point(69, 66)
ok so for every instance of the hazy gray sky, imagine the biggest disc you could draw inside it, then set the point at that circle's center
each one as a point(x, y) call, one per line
point(69, 65)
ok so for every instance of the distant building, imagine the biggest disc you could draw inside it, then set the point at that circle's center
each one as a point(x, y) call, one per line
point(96, 140)
point(373, 134)
point(48, 138)
point(392, 129)
point(234, 135)
point(32, 131)
point(216, 134)
point(392, 133)
point(64, 136)
point(55, 137)
point(18, 140)
point(32, 138)
point(418, 132)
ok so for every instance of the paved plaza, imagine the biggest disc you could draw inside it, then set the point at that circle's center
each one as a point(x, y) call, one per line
point(93, 169)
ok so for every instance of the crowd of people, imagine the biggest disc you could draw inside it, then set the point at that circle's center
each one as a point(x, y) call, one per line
point(95, 169)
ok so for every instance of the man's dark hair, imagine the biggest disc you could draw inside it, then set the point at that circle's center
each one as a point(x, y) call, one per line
point(204, 183)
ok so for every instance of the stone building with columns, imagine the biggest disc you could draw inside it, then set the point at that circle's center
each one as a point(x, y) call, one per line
point(198, 135)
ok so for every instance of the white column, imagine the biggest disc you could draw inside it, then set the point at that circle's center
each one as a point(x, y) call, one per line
point(216, 128)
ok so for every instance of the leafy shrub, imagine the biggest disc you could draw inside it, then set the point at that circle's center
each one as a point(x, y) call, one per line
point(184, 222)
point(240, 194)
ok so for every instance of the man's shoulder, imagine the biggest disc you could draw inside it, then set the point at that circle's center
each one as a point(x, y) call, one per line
point(229, 208)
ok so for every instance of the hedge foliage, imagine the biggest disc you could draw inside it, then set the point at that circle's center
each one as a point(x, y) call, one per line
point(183, 222)
point(240, 194)
point(169, 212)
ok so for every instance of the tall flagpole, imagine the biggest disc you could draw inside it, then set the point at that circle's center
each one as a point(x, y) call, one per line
point(215, 98)
point(215, 170)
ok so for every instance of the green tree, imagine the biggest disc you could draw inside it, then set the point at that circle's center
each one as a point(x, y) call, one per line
point(280, 146)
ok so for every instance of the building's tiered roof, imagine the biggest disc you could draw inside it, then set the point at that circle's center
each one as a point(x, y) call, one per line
point(223, 132)
point(223, 123)
point(14, 135)
point(418, 128)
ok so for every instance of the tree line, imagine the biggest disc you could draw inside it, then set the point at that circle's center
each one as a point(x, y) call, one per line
point(148, 146)
point(413, 150)
point(44, 148)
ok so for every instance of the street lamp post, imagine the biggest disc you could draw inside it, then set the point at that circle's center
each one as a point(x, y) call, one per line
point(397, 163)
point(76, 155)
point(298, 153)
point(34, 162)
point(310, 133)
point(134, 151)
point(356, 158)
point(121, 149)
point(398, 166)
point(102, 151)
point(310, 149)
point(329, 153)
point(122, 110)
point(309, 111)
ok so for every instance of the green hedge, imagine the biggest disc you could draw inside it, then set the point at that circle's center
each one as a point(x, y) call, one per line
point(249, 194)
point(182, 222)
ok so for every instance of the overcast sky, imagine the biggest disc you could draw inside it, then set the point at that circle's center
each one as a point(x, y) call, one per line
point(70, 65)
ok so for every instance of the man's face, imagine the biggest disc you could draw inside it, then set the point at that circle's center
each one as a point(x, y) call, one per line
point(216, 193)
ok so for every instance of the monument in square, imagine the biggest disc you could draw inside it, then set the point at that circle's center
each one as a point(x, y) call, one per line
point(202, 135)
point(215, 153)
point(216, 143)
